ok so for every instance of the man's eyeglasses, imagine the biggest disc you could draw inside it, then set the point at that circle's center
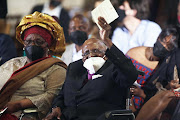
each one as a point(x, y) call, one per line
point(94, 51)
point(36, 42)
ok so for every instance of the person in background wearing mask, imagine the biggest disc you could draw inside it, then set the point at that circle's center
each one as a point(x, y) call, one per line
point(54, 8)
point(33, 81)
point(136, 30)
point(97, 83)
point(78, 33)
point(146, 59)
point(164, 81)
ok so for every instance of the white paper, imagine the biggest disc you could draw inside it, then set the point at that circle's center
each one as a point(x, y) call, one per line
point(105, 10)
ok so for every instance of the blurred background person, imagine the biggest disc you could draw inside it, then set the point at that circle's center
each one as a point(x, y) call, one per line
point(114, 24)
point(136, 30)
point(164, 83)
point(153, 81)
point(7, 46)
point(54, 8)
point(78, 33)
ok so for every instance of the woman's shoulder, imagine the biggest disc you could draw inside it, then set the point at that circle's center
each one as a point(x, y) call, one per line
point(136, 50)
point(138, 54)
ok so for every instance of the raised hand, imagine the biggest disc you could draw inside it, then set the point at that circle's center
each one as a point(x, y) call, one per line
point(104, 33)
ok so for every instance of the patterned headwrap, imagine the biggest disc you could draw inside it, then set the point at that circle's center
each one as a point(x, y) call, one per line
point(47, 22)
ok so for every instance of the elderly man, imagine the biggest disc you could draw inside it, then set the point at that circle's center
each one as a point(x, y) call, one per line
point(97, 83)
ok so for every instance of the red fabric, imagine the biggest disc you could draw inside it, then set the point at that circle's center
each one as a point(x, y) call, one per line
point(8, 117)
point(41, 31)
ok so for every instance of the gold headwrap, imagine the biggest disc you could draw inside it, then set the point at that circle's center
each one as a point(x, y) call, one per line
point(47, 22)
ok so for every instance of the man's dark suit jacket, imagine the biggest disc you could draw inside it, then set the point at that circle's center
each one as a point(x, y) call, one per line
point(64, 20)
point(78, 102)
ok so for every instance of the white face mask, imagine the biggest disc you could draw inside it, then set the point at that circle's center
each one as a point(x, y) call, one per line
point(93, 64)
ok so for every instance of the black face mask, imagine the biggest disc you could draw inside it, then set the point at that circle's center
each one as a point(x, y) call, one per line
point(55, 3)
point(78, 37)
point(34, 52)
point(121, 14)
point(159, 50)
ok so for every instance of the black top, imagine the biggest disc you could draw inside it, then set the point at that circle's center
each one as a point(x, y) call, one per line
point(104, 93)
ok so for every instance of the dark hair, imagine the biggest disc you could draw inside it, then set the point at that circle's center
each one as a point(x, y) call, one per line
point(174, 31)
point(142, 7)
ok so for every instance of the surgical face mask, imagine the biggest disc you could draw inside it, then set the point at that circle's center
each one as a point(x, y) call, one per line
point(159, 50)
point(34, 52)
point(78, 37)
point(93, 64)
point(55, 3)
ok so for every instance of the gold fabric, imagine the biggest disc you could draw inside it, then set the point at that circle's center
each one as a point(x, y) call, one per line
point(47, 22)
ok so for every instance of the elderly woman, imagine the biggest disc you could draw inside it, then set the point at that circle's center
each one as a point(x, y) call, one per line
point(33, 81)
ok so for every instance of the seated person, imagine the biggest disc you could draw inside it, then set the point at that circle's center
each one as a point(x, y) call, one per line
point(164, 79)
point(97, 83)
point(136, 30)
point(33, 81)
point(144, 60)
point(145, 56)
point(78, 33)
point(165, 104)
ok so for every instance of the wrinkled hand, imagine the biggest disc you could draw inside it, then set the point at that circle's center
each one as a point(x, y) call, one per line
point(104, 33)
point(13, 107)
point(137, 91)
point(56, 112)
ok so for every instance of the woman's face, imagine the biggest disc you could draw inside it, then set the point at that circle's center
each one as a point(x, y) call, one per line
point(35, 47)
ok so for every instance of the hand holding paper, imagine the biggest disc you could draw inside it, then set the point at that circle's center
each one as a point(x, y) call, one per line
point(105, 10)
point(105, 31)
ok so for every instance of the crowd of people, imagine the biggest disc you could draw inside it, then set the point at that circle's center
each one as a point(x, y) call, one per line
point(70, 72)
